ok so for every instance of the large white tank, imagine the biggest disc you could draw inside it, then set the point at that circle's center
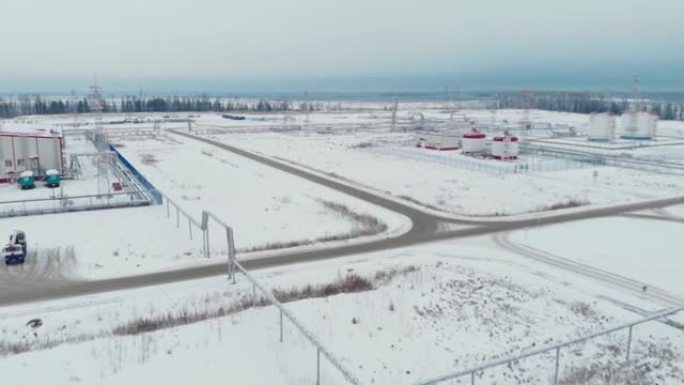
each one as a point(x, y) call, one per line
point(505, 147)
point(473, 142)
point(601, 127)
point(638, 125)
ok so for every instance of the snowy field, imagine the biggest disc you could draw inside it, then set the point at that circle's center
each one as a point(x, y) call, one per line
point(266, 207)
point(105, 243)
point(431, 309)
point(647, 250)
point(452, 189)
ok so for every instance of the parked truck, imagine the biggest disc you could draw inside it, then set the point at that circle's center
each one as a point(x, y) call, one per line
point(52, 178)
point(26, 180)
point(15, 251)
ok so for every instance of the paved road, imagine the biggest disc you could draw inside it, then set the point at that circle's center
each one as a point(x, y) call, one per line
point(426, 228)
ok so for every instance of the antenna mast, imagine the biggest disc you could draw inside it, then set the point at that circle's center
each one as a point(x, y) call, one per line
point(637, 92)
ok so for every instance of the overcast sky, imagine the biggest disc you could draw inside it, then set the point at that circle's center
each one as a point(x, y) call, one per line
point(321, 38)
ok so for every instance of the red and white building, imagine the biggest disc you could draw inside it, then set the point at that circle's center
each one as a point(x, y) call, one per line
point(30, 151)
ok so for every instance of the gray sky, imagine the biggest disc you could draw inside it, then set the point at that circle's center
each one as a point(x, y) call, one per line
point(273, 38)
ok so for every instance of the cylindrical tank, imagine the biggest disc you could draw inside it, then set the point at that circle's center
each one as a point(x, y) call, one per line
point(601, 127)
point(639, 125)
point(473, 142)
point(505, 147)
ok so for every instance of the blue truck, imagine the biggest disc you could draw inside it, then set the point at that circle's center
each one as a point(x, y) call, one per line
point(52, 178)
point(26, 180)
point(15, 251)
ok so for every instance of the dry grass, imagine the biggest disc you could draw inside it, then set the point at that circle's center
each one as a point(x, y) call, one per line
point(565, 205)
point(364, 225)
point(350, 283)
point(639, 372)
point(148, 159)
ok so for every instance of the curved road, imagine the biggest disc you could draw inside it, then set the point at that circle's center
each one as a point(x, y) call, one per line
point(653, 293)
point(426, 228)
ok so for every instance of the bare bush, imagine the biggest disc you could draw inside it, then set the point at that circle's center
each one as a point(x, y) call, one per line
point(365, 225)
point(565, 205)
point(148, 159)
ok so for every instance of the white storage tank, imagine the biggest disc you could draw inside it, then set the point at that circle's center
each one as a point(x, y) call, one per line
point(505, 147)
point(473, 142)
point(640, 125)
point(439, 141)
point(601, 127)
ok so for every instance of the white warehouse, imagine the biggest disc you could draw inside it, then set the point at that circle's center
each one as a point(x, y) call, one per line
point(440, 141)
point(23, 151)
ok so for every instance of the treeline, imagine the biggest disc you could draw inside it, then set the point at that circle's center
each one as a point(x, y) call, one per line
point(36, 105)
point(585, 103)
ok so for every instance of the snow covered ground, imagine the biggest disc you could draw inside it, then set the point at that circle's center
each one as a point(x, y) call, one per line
point(435, 308)
point(265, 206)
point(105, 243)
point(647, 250)
point(450, 188)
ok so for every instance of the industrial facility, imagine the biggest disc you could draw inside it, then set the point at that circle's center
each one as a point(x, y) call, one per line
point(35, 151)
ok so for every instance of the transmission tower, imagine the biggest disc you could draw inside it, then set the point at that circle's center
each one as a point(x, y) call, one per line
point(395, 106)
point(96, 103)
point(102, 162)
point(637, 93)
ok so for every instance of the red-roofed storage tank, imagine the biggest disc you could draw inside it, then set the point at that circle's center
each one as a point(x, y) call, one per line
point(505, 147)
point(473, 142)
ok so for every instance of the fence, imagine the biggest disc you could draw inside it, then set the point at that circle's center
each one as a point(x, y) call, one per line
point(233, 266)
point(63, 204)
point(156, 195)
point(481, 164)
point(641, 163)
point(320, 349)
point(191, 221)
point(471, 373)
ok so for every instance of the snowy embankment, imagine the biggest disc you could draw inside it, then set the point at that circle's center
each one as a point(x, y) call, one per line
point(647, 250)
point(429, 312)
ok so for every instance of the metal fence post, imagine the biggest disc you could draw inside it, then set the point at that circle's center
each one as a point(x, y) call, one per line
point(190, 228)
point(555, 377)
point(281, 326)
point(318, 366)
point(177, 217)
point(168, 212)
point(629, 342)
point(231, 253)
point(207, 248)
point(472, 378)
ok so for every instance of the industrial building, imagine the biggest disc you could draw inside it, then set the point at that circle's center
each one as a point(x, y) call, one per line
point(440, 141)
point(35, 151)
point(601, 127)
